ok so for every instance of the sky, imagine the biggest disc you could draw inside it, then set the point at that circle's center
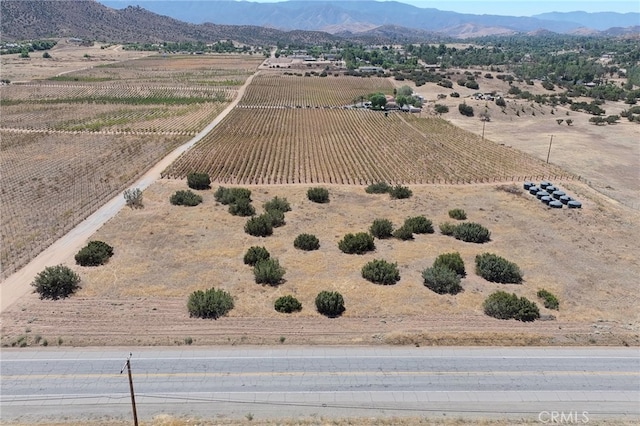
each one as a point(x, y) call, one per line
point(496, 7)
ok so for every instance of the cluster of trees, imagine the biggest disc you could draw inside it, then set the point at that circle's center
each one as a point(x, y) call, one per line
point(190, 47)
point(25, 48)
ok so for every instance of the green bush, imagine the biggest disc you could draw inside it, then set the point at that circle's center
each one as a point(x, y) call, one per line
point(442, 280)
point(419, 225)
point(287, 304)
point(242, 207)
point(279, 204)
point(231, 195)
point(497, 269)
point(470, 232)
point(210, 303)
point(381, 272)
point(441, 109)
point(550, 300)
point(259, 226)
point(306, 242)
point(185, 198)
point(318, 195)
point(378, 188)
point(381, 228)
point(330, 303)
point(466, 110)
point(275, 217)
point(198, 181)
point(56, 282)
point(403, 233)
point(255, 254)
point(133, 198)
point(452, 261)
point(95, 253)
point(356, 243)
point(457, 214)
point(502, 305)
point(447, 228)
point(399, 192)
point(268, 271)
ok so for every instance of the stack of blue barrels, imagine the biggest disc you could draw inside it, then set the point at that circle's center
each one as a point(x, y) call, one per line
point(551, 195)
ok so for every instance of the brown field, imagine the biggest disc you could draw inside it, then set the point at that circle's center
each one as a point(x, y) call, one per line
point(164, 252)
point(71, 144)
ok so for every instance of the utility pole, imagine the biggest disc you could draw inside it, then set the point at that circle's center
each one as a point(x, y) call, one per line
point(549, 152)
point(127, 365)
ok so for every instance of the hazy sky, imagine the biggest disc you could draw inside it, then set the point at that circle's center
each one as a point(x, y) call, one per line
point(492, 7)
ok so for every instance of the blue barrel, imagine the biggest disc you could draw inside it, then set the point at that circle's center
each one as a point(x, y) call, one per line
point(558, 194)
point(565, 199)
point(573, 204)
point(546, 199)
point(544, 184)
point(555, 204)
point(534, 190)
point(528, 185)
point(541, 194)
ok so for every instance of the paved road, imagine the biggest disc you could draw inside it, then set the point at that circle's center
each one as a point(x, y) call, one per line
point(331, 382)
point(19, 283)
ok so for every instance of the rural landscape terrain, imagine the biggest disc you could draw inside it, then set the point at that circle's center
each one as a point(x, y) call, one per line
point(339, 137)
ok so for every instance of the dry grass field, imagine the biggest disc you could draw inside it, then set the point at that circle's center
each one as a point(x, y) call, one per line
point(71, 142)
point(164, 252)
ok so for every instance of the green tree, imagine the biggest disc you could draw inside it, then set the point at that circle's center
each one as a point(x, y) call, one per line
point(378, 101)
point(330, 303)
point(198, 180)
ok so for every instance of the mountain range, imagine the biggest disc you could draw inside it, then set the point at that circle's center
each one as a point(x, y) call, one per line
point(294, 21)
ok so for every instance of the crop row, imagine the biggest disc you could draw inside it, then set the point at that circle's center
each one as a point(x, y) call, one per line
point(50, 182)
point(271, 145)
point(287, 90)
point(76, 117)
point(129, 94)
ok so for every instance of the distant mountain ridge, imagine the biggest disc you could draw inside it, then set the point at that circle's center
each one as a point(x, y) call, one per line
point(336, 16)
point(364, 21)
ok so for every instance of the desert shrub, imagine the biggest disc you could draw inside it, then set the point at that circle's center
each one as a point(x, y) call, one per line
point(378, 188)
point(306, 242)
point(472, 84)
point(287, 304)
point(133, 198)
point(457, 214)
point(259, 226)
point(497, 269)
point(419, 225)
point(212, 303)
point(452, 261)
point(198, 180)
point(550, 300)
point(381, 228)
point(441, 109)
point(242, 207)
point(255, 254)
point(268, 271)
point(95, 253)
point(403, 233)
point(56, 282)
point(466, 110)
point(501, 102)
point(231, 195)
point(447, 228)
point(279, 204)
point(399, 192)
point(318, 195)
point(381, 272)
point(330, 303)
point(356, 243)
point(275, 217)
point(185, 198)
point(471, 233)
point(442, 280)
point(502, 305)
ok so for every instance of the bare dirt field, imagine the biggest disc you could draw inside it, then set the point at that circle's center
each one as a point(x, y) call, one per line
point(164, 252)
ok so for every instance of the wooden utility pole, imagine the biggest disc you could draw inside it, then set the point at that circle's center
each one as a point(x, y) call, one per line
point(549, 152)
point(133, 398)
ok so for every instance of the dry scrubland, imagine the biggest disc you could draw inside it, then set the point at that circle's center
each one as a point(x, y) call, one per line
point(72, 142)
point(163, 253)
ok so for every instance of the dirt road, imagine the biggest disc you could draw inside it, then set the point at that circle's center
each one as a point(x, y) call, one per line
point(18, 284)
